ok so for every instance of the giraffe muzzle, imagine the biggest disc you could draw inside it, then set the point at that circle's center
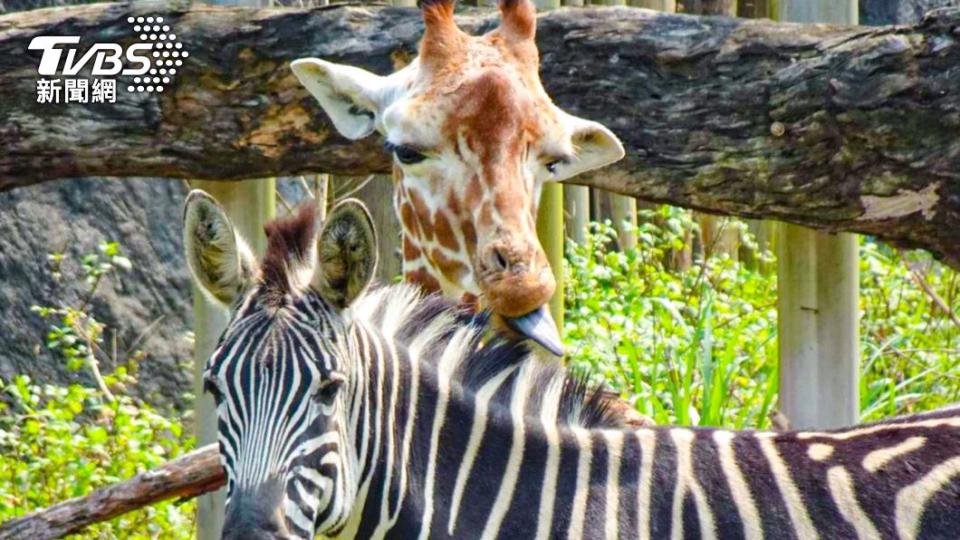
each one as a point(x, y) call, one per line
point(538, 326)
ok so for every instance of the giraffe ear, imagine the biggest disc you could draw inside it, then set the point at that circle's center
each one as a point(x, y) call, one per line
point(594, 146)
point(346, 254)
point(348, 94)
point(220, 261)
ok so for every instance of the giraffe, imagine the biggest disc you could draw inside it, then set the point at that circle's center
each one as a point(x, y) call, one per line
point(474, 137)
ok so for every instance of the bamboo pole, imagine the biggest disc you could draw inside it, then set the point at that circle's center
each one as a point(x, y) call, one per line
point(818, 295)
point(550, 221)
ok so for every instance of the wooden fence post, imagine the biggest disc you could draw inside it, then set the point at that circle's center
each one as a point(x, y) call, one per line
point(378, 196)
point(623, 209)
point(669, 6)
point(576, 199)
point(717, 234)
point(576, 210)
point(249, 204)
point(818, 324)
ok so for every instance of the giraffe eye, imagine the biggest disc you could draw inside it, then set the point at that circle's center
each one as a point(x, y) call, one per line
point(405, 154)
point(552, 166)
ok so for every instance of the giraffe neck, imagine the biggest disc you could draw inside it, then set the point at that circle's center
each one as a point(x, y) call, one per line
point(435, 255)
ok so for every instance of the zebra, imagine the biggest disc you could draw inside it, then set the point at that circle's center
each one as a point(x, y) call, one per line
point(358, 412)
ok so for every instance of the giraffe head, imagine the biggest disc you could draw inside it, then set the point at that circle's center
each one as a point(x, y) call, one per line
point(474, 137)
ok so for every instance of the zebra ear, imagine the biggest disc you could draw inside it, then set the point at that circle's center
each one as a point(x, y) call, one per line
point(346, 254)
point(220, 261)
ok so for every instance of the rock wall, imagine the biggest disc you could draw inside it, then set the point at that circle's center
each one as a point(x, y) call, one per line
point(878, 12)
point(73, 217)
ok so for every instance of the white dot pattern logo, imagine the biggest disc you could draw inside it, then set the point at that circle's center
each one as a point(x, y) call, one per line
point(167, 52)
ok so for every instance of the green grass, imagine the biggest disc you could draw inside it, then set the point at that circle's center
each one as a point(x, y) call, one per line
point(698, 346)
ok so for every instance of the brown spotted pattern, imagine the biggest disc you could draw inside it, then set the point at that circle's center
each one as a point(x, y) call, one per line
point(472, 231)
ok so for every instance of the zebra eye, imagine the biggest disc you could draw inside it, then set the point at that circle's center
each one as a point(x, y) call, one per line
point(210, 387)
point(327, 392)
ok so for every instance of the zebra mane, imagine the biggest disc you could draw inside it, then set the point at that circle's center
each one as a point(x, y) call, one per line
point(291, 248)
point(432, 327)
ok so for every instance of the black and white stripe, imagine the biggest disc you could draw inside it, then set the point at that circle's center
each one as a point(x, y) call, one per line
point(436, 433)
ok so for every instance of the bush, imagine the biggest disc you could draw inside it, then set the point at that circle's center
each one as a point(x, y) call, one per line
point(61, 442)
point(910, 341)
point(684, 346)
point(58, 442)
point(697, 346)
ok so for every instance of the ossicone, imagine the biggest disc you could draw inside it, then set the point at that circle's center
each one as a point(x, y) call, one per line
point(442, 41)
point(437, 14)
point(518, 19)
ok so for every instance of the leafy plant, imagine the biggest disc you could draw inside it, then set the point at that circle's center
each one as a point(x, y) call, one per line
point(698, 345)
point(58, 442)
point(672, 341)
point(910, 332)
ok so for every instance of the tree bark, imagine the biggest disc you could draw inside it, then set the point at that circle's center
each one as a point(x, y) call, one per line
point(836, 128)
point(193, 474)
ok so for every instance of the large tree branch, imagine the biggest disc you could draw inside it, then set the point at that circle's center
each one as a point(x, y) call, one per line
point(837, 128)
point(193, 474)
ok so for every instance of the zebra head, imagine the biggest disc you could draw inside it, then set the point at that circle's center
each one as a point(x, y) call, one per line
point(277, 372)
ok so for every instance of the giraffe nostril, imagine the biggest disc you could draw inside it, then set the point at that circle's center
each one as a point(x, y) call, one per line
point(499, 262)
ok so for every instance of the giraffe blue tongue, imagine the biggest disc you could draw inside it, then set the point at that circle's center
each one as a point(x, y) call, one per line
point(539, 326)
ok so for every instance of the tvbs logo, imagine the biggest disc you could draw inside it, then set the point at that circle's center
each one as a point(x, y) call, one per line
point(146, 66)
point(107, 57)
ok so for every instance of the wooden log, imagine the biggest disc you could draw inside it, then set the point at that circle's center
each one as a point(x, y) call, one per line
point(836, 128)
point(188, 476)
